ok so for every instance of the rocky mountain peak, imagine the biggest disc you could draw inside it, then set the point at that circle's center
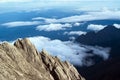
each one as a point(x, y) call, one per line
point(22, 61)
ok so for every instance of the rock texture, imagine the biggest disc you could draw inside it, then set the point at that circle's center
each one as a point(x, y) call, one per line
point(22, 61)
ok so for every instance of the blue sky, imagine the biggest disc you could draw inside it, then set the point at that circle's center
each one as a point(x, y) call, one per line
point(18, 5)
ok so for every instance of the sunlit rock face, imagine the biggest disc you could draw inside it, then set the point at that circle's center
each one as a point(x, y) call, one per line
point(22, 61)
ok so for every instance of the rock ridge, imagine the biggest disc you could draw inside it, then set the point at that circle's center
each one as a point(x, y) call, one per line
point(22, 61)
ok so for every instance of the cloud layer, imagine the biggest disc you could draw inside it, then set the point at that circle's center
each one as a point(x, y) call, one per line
point(20, 23)
point(53, 27)
point(74, 33)
point(68, 50)
point(77, 24)
point(88, 16)
point(117, 25)
point(54, 24)
point(95, 27)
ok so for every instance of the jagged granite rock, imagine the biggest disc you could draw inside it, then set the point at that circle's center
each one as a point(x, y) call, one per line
point(22, 61)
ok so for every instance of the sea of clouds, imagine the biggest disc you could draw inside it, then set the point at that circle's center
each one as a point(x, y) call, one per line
point(55, 24)
point(68, 50)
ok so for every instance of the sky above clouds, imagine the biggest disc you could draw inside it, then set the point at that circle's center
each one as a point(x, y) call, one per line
point(14, 5)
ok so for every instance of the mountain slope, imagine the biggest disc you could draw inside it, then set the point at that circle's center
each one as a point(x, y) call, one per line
point(103, 70)
point(22, 61)
point(108, 37)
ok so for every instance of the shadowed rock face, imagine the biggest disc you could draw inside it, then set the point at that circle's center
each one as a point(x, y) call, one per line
point(107, 37)
point(103, 70)
point(22, 61)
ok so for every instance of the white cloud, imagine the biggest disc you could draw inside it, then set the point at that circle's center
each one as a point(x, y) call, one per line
point(88, 16)
point(74, 33)
point(100, 51)
point(39, 18)
point(95, 27)
point(47, 20)
point(53, 27)
point(72, 38)
point(117, 25)
point(77, 24)
point(68, 50)
point(64, 50)
point(20, 23)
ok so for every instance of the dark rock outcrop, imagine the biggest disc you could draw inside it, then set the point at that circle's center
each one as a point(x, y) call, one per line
point(108, 37)
point(22, 61)
point(103, 70)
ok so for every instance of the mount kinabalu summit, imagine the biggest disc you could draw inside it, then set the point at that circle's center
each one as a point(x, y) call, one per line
point(22, 61)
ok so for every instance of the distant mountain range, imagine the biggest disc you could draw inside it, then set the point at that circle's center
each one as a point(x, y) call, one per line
point(108, 37)
point(103, 70)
